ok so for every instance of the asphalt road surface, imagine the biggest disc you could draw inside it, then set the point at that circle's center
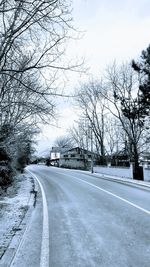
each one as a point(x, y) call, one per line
point(86, 221)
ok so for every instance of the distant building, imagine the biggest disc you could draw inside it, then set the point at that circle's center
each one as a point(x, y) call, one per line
point(145, 159)
point(55, 154)
point(76, 158)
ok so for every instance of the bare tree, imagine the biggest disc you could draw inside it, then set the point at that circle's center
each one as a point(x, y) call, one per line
point(80, 133)
point(92, 104)
point(122, 101)
point(64, 142)
point(18, 104)
point(32, 44)
point(35, 32)
point(114, 136)
point(33, 37)
point(18, 144)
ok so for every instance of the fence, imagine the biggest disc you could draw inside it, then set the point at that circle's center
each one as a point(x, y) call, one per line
point(123, 172)
point(147, 174)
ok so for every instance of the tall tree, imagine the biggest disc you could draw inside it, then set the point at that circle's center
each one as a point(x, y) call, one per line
point(32, 44)
point(33, 38)
point(114, 136)
point(124, 104)
point(142, 67)
point(92, 104)
point(64, 142)
point(80, 133)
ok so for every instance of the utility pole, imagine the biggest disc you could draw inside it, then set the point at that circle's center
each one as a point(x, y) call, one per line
point(92, 159)
point(91, 151)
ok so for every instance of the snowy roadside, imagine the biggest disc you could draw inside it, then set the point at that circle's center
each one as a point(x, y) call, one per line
point(135, 182)
point(14, 205)
point(123, 180)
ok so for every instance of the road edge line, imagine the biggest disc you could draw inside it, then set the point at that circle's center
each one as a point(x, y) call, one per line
point(116, 196)
point(44, 259)
point(112, 194)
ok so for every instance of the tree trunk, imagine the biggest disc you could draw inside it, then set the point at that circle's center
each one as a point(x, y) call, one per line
point(137, 169)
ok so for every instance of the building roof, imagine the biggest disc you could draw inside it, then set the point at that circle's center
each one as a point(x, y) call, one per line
point(79, 149)
point(58, 149)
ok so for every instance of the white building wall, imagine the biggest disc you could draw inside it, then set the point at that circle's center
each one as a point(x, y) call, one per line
point(147, 174)
point(124, 172)
point(71, 163)
point(55, 155)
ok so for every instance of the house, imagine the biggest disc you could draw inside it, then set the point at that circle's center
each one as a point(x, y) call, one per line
point(55, 155)
point(76, 158)
point(145, 159)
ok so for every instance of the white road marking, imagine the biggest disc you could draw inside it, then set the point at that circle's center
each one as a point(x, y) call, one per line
point(112, 194)
point(44, 260)
point(19, 246)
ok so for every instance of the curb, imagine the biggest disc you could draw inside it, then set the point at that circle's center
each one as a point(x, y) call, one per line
point(117, 179)
point(15, 243)
point(120, 179)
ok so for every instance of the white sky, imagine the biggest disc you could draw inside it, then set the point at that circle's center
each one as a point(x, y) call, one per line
point(113, 30)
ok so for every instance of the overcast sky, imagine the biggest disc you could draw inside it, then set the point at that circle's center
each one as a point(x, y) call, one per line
point(113, 30)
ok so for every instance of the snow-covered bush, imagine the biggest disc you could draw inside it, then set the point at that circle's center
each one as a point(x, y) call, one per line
point(5, 175)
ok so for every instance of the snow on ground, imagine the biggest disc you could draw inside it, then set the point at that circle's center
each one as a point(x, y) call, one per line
point(14, 204)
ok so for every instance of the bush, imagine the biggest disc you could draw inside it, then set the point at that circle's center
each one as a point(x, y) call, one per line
point(5, 176)
point(6, 172)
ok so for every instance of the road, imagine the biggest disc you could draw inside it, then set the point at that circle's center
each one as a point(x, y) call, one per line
point(86, 221)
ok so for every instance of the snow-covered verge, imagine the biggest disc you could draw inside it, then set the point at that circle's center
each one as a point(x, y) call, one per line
point(14, 204)
point(124, 172)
